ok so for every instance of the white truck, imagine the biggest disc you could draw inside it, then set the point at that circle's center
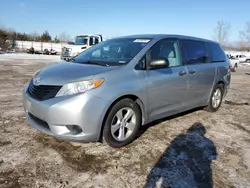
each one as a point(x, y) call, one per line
point(243, 57)
point(82, 42)
point(234, 62)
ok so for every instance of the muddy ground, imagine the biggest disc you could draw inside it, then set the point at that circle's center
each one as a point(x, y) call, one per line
point(169, 152)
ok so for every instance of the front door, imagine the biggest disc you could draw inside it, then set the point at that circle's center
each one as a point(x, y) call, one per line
point(166, 87)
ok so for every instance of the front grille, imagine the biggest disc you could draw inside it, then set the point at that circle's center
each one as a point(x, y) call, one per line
point(42, 92)
point(66, 51)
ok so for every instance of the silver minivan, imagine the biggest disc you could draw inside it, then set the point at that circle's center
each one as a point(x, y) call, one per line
point(110, 90)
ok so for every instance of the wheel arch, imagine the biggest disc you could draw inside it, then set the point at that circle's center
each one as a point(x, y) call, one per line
point(133, 97)
point(221, 83)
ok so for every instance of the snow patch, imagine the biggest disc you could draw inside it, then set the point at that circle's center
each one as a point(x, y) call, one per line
point(23, 56)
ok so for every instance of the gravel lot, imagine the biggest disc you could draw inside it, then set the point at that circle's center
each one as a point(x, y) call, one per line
point(173, 151)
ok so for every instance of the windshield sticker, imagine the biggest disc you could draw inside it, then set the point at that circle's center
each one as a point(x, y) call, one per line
point(142, 40)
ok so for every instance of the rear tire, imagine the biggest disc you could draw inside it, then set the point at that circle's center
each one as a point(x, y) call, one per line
point(122, 123)
point(215, 98)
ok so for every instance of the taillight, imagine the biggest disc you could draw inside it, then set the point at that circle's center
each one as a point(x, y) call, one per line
point(230, 67)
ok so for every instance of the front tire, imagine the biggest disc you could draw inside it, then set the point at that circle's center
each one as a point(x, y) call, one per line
point(122, 123)
point(215, 99)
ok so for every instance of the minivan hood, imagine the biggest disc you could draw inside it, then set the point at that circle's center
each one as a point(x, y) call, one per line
point(65, 72)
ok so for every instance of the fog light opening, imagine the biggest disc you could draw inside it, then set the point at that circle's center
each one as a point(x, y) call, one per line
point(74, 129)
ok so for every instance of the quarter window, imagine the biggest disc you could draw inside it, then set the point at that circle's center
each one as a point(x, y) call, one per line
point(141, 65)
point(167, 49)
point(194, 52)
point(216, 52)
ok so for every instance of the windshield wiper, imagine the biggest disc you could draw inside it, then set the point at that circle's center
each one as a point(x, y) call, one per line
point(95, 63)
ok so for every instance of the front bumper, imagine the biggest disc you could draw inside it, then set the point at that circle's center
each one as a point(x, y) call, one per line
point(55, 116)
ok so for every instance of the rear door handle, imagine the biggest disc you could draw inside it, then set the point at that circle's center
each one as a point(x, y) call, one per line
point(182, 73)
point(192, 71)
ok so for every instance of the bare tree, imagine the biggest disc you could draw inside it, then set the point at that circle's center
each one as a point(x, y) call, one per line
point(222, 32)
point(46, 37)
point(245, 35)
point(11, 34)
point(3, 38)
point(35, 36)
point(64, 37)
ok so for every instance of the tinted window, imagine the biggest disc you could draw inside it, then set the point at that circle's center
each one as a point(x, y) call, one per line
point(194, 52)
point(166, 49)
point(216, 52)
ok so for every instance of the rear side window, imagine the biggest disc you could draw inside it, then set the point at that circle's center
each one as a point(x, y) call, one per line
point(216, 52)
point(194, 52)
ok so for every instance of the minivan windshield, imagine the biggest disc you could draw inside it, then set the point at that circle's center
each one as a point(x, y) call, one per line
point(112, 52)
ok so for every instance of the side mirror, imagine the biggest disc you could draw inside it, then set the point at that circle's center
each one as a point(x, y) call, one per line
point(159, 63)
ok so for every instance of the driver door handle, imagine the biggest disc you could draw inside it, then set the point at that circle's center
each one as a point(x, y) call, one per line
point(182, 73)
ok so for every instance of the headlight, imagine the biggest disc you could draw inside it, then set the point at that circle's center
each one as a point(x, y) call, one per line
point(79, 87)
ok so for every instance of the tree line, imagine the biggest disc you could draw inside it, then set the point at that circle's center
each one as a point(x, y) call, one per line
point(11, 36)
point(222, 33)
